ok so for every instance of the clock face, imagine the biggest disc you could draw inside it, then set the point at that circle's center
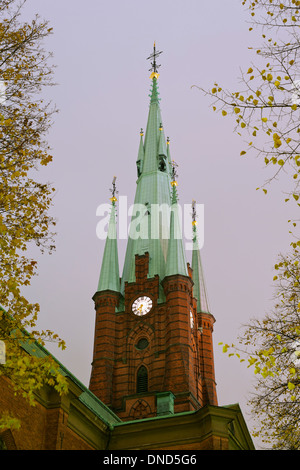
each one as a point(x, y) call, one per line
point(142, 305)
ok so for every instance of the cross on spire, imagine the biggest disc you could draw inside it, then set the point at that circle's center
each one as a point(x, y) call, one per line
point(154, 65)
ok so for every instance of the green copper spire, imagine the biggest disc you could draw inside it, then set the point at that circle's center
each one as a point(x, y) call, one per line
point(154, 97)
point(109, 275)
point(176, 262)
point(169, 162)
point(152, 191)
point(155, 141)
point(200, 292)
point(141, 154)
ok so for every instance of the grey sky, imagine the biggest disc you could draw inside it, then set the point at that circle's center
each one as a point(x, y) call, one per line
point(100, 50)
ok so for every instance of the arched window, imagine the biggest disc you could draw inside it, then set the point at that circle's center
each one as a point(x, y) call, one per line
point(142, 380)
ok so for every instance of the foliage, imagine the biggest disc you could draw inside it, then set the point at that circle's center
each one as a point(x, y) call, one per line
point(266, 109)
point(24, 201)
point(272, 347)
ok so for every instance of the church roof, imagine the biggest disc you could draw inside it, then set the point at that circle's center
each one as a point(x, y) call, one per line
point(86, 397)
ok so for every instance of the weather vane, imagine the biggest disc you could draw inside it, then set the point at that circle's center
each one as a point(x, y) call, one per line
point(153, 56)
point(113, 190)
point(194, 214)
point(174, 173)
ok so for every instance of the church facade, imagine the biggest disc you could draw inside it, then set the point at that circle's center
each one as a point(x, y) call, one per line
point(153, 330)
point(152, 382)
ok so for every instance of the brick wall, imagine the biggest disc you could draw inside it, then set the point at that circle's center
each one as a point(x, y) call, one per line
point(41, 428)
point(178, 358)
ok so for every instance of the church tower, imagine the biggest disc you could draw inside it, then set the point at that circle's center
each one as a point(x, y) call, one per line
point(153, 347)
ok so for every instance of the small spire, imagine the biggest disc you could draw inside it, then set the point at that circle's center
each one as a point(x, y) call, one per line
point(109, 275)
point(169, 161)
point(162, 149)
point(200, 292)
point(176, 262)
point(141, 154)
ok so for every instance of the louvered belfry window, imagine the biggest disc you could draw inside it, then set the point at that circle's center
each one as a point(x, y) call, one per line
point(142, 380)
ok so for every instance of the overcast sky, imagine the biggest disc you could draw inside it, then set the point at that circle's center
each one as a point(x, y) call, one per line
point(100, 50)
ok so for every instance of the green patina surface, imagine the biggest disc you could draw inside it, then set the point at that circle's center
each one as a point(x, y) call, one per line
point(86, 397)
point(200, 292)
point(176, 262)
point(156, 224)
point(109, 275)
point(153, 188)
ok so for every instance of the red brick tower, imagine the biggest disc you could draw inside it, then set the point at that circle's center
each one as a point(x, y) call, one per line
point(153, 348)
